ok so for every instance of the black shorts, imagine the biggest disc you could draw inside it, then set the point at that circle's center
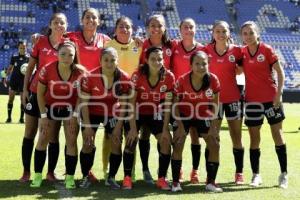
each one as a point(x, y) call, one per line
point(32, 107)
point(59, 113)
point(109, 123)
point(16, 84)
point(255, 112)
point(202, 125)
point(233, 110)
point(154, 123)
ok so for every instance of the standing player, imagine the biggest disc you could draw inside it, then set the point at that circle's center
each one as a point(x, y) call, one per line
point(181, 65)
point(100, 92)
point(263, 95)
point(43, 53)
point(196, 105)
point(16, 79)
point(89, 45)
point(224, 58)
point(57, 98)
point(151, 101)
point(158, 37)
point(128, 60)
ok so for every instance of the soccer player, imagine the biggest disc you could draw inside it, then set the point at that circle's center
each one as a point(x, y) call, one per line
point(196, 105)
point(181, 65)
point(158, 37)
point(128, 60)
point(89, 45)
point(224, 58)
point(152, 96)
point(263, 96)
point(43, 53)
point(16, 79)
point(100, 92)
point(57, 98)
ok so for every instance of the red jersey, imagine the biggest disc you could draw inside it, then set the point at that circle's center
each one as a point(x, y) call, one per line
point(181, 59)
point(105, 102)
point(45, 54)
point(149, 97)
point(260, 84)
point(167, 52)
point(224, 66)
point(59, 90)
point(195, 103)
point(89, 53)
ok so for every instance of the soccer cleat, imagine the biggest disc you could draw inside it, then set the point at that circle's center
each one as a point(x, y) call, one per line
point(283, 180)
point(256, 180)
point(212, 187)
point(51, 177)
point(147, 177)
point(194, 179)
point(181, 176)
point(37, 180)
point(8, 120)
point(25, 177)
point(70, 182)
point(176, 187)
point(85, 182)
point(21, 121)
point(92, 177)
point(239, 179)
point(111, 182)
point(127, 183)
point(163, 184)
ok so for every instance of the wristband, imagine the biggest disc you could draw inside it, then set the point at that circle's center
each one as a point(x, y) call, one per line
point(43, 115)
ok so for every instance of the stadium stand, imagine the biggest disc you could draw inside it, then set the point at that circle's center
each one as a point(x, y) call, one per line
point(279, 21)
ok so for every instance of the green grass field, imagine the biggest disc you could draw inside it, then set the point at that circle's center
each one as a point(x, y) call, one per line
point(11, 167)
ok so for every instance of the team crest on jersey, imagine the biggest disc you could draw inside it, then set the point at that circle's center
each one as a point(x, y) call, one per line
point(260, 58)
point(231, 58)
point(134, 78)
point(99, 44)
point(168, 52)
point(135, 49)
point(42, 72)
point(76, 84)
point(209, 93)
point(163, 88)
point(28, 106)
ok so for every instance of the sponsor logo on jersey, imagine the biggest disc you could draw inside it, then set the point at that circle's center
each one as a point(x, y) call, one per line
point(45, 49)
point(163, 88)
point(124, 48)
point(220, 60)
point(260, 58)
point(186, 57)
point(231, 58)
point(96, 88)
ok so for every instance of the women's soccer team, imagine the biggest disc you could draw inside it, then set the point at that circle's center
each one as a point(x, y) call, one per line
point(136, 87)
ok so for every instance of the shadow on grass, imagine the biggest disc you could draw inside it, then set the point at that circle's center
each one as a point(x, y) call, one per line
point(12, 188)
